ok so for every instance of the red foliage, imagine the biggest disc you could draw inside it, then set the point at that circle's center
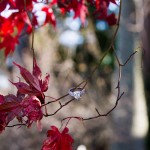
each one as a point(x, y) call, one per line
point(27, 103)
point(10, 107)
point(31, 108)
point(22, 5)
point(78, 6)
point(10, 31)
point(18, 20)
point(58, 140)
point(8, 42)
point(34, 85)
point(50, 18)
point(12, 27)
point(101, 11)
point(111, 19)
point(3, 121)
point(27, 110)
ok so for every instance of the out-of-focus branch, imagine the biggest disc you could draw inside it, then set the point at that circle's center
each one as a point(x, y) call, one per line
point(119, 93)
point(32, 38)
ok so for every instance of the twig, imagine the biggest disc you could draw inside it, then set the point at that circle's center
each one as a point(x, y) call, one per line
point(55, 99)
point(61, 106)
point(119, 96)
point(32, 37)
point(19, 124)
point(106, 114)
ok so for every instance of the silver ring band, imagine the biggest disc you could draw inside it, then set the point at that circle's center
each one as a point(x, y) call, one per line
point(76, 92)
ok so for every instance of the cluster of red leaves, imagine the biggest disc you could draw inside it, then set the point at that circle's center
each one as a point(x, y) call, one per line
point(26, 106)
point(57, 140)
point(80, 9)
point(9, 104)
point(25, 109)
point(12, 27)
point(101, 11)
point(24, 16)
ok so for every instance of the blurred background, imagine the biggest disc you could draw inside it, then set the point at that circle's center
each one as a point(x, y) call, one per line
point(69, 53)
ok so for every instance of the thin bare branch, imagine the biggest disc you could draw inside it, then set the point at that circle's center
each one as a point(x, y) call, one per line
point(61, 106)
point(106, 114)
point(19, 124)
point(55, 99)
point(32, 37)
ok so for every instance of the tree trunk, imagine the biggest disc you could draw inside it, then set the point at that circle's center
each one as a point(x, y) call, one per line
point(123, 115)
point(146, 61)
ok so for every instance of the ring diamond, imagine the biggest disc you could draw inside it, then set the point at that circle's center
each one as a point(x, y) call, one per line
point(76, 92)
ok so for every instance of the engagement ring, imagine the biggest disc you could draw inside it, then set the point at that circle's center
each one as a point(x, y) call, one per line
point(76, 92)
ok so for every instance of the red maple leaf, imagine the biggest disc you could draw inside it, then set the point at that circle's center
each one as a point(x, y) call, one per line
point(3, 122)
point(77, 6)
point(9, 34)
point(8, 43)
point(58, 140)
point(9, 108)
point(23, 5)
point(81, 11)
point(101, 11)
point(7, 26)
point(34, 85)
point(31, 108)
point(111, 19)
point(4, 3)
point(26, 109)
point(50, 18)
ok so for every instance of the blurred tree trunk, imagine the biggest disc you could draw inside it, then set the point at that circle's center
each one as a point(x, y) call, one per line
point(123, 115)
point(146, 60)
